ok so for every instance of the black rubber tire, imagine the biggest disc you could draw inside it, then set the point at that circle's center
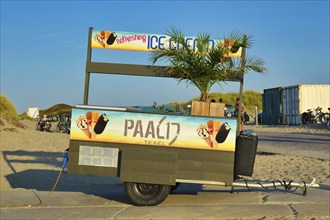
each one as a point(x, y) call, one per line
point(143, 194)
point(325, 118)
point(304, 121)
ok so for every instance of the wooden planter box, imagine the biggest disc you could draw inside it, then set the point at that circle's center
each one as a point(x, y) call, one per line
point(207, 109)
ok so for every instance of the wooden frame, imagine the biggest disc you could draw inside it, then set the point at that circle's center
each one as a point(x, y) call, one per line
point(142, 70)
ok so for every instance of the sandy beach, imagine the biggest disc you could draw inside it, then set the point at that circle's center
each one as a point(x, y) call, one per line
point(31, 159)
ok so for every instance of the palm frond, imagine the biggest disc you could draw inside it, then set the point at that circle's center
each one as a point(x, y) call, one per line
point(255, 64)
point(204, 67)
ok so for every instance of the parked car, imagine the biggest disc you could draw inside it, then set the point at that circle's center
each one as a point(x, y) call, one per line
point(229, 111)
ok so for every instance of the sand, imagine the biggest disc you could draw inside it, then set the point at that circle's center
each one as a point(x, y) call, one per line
point(32, 159)
point(308, 128)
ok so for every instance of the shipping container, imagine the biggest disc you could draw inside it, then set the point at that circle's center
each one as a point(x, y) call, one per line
point(284, 105)
point(271, 106)
point(297, 99)
point(290, 105)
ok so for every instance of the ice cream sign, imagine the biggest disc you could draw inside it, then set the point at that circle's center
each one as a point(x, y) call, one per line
point(154, 132)
point(153, 129)
point(144, 42)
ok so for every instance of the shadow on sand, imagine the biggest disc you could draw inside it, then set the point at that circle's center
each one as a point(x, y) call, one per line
point(103, 186)
point(44, 179)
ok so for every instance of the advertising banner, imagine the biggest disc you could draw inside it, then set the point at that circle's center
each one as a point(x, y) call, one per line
point(115, 40)
point(153, 129)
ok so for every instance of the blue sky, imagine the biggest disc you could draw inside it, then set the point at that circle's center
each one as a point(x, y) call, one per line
point(43, 47)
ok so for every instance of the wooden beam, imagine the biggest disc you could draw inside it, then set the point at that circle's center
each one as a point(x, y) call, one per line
point(138, 70)
point(126, 69)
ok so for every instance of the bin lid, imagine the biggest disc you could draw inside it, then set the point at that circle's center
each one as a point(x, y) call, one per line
point(248, 133)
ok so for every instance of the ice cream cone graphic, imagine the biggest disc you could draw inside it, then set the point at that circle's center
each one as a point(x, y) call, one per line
point(209, 141)
point(100, 38)
point(203, 132)
point(81, 123)
point(95, 117)
point(86, 132)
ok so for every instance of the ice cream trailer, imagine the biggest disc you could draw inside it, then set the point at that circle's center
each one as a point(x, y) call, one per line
point(152, 153)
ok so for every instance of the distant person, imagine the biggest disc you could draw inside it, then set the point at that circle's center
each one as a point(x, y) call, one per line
point(237, 105)
point(242, 112)
point(242, 117)
point(212, 100)
point(220, 100)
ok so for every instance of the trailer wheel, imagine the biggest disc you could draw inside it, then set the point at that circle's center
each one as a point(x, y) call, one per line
point(143, 194)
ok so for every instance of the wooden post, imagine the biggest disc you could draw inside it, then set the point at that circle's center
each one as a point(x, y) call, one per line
point(256, 114)
point(241, 88)
point(89, 59)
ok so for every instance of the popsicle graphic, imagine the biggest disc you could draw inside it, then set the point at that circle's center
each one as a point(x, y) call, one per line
point(89, 118)
point(89, 121)
point(203, 132)
point(216, 128)
point(106, 34)
point(95, 118)
point(111, 39)
point(100, 124)
point(210, 126)
point(223, 133)
point(81, 123)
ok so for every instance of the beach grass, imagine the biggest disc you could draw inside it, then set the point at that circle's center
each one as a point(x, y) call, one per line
point(7, 109)
point(8, 112)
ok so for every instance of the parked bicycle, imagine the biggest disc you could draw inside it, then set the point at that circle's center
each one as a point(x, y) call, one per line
point(326, 119)
point(313, 116)
point(64, 125)
point(44, 125)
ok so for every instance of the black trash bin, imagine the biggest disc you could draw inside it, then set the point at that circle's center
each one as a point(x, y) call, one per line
point(245, 154)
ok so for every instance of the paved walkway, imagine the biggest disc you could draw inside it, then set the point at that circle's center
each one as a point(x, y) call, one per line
point(189, 201)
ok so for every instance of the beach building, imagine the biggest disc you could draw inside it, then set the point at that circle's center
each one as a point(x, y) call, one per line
point(33, 112)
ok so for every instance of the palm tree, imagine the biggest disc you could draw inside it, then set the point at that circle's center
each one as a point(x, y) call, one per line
point(202, 66)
